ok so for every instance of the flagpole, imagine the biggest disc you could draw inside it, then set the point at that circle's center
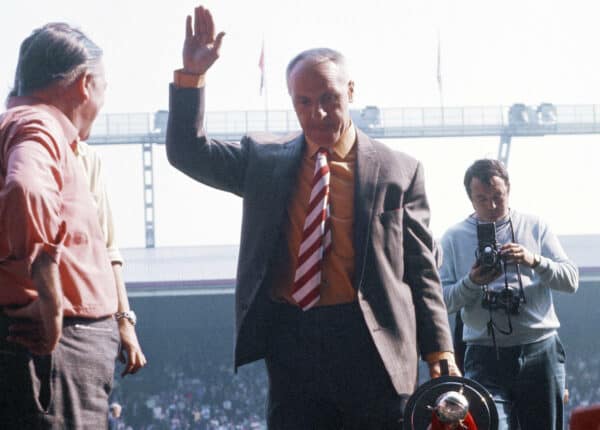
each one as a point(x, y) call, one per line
point(263, 82)
point(439, 75)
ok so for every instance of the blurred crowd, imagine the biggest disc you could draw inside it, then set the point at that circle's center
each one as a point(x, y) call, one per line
point(583, 381)
point(203, 393)
point(193, 395)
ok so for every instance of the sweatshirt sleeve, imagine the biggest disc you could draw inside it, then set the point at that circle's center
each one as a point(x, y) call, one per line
point(555, 270)
point(459, 290)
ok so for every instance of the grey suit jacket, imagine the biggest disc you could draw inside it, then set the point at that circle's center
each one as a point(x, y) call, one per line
point(398, 285)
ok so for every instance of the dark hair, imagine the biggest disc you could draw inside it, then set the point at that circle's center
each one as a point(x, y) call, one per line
point(317, 55)
point(53, 53)
point(484, 170)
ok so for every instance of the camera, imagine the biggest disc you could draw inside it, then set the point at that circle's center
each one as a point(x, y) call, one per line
point(489, 258)
point(507, 299)
point(488, 252)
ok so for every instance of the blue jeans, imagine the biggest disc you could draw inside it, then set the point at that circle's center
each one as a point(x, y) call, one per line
point(527, 383)
point(67, 389)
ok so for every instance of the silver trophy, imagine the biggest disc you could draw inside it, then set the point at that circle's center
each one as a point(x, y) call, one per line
point(458, 403)
point(451, 407)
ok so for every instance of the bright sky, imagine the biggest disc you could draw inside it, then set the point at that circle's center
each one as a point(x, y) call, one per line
point(492, 53)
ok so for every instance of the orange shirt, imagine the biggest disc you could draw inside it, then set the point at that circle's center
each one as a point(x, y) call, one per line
point(45, 205)
point(338, 265)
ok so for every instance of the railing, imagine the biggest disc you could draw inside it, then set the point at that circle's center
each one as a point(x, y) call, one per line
point(384, 123)
point(146, 129)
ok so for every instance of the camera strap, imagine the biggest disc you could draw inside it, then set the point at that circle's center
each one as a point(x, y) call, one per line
point(491, 325)
point(519, 279)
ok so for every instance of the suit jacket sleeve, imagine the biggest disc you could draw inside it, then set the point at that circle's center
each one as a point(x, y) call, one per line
point(215, 163)
point(421, 270)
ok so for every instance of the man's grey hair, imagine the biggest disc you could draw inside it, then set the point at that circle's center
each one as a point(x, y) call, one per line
point(54, 53)
point(316, 56)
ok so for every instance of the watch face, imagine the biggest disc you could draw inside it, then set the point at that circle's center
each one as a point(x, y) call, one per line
point(131, 316)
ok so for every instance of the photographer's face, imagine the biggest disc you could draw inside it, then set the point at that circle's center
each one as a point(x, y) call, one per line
point(489, 201)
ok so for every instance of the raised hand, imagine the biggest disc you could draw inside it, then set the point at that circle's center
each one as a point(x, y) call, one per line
point(201, 47)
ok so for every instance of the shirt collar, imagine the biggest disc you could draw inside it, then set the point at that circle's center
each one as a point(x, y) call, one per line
point(69, 130)
point(341, 148)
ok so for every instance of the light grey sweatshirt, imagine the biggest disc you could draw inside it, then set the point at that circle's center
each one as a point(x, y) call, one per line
point(537, 318)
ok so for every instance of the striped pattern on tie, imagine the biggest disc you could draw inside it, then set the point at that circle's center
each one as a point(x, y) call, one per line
point(316, 237)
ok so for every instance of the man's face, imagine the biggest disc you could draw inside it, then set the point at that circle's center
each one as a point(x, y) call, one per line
point(489, 201)
point(96, 87)
point(321, 94)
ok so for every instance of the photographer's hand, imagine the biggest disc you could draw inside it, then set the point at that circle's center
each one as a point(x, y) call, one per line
point(515, 253)
point(483, 275)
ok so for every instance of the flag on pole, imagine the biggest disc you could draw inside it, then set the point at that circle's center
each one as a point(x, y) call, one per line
point(261, 66)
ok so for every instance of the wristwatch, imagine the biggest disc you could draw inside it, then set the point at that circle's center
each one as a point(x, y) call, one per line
point(128, 315)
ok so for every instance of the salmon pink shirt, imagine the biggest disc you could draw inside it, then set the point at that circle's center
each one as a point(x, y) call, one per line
point(45, 205)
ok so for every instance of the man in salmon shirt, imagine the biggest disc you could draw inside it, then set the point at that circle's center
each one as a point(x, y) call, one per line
point(58, 335)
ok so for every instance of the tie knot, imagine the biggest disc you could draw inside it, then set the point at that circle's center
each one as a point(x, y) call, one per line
point(321, 161)
point(323, 152)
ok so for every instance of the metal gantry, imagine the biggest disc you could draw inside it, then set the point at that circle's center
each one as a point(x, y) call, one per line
point(148, 166)
point(518, 120)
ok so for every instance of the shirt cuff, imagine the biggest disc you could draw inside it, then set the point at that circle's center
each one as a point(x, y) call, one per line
point(183, 79)
point(115, 255)
point(544, 263)
point(54, 250)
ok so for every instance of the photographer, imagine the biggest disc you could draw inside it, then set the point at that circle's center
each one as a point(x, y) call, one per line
point(500, 277)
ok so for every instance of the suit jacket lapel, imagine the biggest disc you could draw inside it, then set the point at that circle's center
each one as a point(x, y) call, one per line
point(366, 177)
point(285, 174)
point(286, 171)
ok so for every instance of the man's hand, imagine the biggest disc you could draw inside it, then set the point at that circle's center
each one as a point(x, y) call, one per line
point(130, 352)
point(38, 334)
point(435, 369)
point(515, 253)
point(483, 275)
point(201, 48)
point(41, 326)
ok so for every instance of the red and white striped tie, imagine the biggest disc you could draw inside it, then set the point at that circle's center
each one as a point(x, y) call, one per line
point(316, 238)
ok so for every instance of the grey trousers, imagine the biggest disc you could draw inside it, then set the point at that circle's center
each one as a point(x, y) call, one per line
point(67, 389)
